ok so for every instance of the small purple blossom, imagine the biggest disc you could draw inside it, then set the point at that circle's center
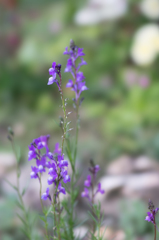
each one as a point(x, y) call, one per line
point(46, 195)
point(87, 182)
point(99, 189)
point(66, 179)
point(34, 173)
point(57, 149)
point(56, 69)
point(85, 193)
point(61, 189)
point(52, 179)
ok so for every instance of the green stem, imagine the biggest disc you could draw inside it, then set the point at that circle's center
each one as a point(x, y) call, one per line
point(72, 205)
point(42, 206)
point(154, 229)
point(55, 221)
point(59, 221)
point(93, 194)
point(77, 130)
point(64, 112)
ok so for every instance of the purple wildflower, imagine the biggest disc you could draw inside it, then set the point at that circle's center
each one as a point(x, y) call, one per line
point(85, 193)
point(52, 179)
point(90, 181)
point(46, 195)
point(56, 69)
point(61, 189)
point(99, 189)
point(66, 179)
point(77, 85)
point(87, 182)
point(152, 214)
point(34, 173)
point(57, 149)
point(36, 145)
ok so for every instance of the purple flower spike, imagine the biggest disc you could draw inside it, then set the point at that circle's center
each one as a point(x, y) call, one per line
point(46, 195)
point(152, 214)
point(90, 183)
point(77, 85)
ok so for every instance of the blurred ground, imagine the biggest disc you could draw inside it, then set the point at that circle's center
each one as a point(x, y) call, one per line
point(119, 116)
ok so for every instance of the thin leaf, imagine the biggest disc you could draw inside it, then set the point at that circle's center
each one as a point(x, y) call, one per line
point(90, 214)
point(26, 233)
point(23, 221)
point(42, 218)
point(81, 223)
point(18, 154)
point(11, 184)
point(49, 210)
point(20, 205)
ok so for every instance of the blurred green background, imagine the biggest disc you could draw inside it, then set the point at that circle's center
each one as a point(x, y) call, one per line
point(120, 113)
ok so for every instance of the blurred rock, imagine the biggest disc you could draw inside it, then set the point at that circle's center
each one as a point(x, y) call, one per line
point(136, 184)
point(122, 165)
point(7, 161)
point(144, 163)
point(109, 184)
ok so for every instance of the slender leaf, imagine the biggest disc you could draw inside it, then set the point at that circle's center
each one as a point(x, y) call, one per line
point(23, 221)
point(11, 184)
point(49, 210)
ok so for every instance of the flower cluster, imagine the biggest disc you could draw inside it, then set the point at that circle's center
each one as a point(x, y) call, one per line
point(152, 213)
point(54, 162)
point(78, 85)
point(89, 183)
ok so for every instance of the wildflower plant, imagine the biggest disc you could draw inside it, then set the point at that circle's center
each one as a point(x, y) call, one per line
point(56, 162)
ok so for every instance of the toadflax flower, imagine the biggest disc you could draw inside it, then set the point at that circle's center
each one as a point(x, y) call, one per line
point(77, 84)
point(46, 195)
point(89, 191)
point(51, 162)
point(55, 70)
point(151, 215)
